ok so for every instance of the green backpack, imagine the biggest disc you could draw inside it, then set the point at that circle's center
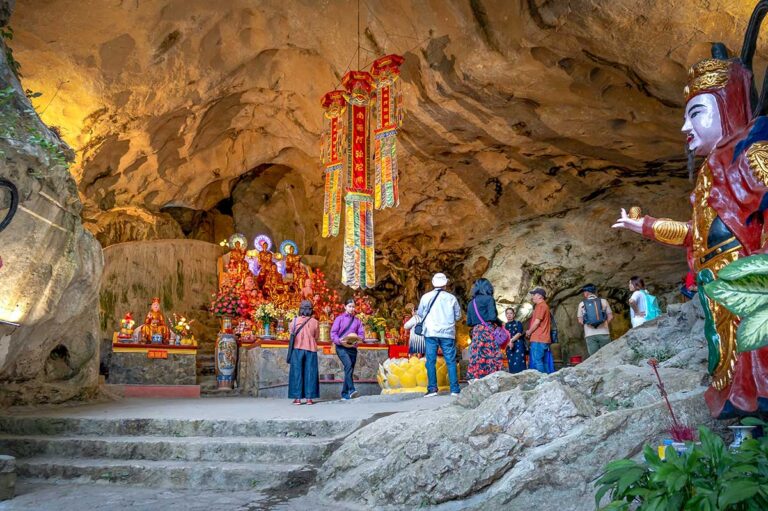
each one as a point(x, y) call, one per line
point(652, 309)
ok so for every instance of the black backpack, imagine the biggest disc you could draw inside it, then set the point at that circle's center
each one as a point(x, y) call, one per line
point(554, 338)
point(594, 314)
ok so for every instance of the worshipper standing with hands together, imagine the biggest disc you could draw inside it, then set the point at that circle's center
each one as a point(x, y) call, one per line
point(303, 378)
point(516, 347)
point(440, 311)
point(539, 330)
point(484, 353)
point(346, 332)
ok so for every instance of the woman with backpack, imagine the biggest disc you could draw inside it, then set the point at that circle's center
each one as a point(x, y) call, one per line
point(486, 333)
point(638, 305)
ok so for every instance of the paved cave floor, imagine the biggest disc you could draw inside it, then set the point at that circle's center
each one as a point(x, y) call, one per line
point(73, 496)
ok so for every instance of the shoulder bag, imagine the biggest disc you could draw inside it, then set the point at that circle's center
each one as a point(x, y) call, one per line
point(292, 339)
point(419, 328)
point(499, 333)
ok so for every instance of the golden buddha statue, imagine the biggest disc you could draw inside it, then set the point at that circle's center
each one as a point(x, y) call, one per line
point(293, 262)
point(154, 324)
point(237, 264)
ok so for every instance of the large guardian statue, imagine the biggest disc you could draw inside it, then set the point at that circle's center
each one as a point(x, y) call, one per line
point(724, 123)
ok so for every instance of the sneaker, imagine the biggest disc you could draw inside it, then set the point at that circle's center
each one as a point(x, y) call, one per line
point(431, 394)
point(310, 402)
point(346, 398)
point(455, 394)
point(297, 402)
point(354, 394)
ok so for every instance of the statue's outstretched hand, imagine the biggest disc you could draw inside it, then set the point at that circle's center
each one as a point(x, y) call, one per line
point(625, 222)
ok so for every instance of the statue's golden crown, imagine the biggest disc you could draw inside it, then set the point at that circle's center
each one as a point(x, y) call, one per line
point(705, 75)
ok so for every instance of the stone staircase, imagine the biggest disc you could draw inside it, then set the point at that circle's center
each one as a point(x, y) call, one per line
point(277, 455)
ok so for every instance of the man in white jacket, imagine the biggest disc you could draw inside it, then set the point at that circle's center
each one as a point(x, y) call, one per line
point(440, 311)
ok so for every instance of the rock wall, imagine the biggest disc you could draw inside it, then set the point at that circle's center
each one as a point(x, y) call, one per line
point(515, 441)
point(50, 265)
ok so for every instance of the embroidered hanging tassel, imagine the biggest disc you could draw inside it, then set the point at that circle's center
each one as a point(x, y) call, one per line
point(386, 72)
point(332, 157)
point(358, 266)
point(358, 270)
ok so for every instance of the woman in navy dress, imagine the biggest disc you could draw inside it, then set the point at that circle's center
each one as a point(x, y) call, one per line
point(516, 346)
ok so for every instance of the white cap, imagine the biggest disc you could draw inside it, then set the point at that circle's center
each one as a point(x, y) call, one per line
point(439, 280)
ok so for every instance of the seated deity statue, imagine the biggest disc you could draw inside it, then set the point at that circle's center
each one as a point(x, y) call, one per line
point(237, 262)
point(154, 324)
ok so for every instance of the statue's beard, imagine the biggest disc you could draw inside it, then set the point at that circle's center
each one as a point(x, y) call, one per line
point(691, 163)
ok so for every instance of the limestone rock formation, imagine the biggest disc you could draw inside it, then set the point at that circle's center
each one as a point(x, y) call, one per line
point(521, 116)
point(511, 440)
point(51, 266)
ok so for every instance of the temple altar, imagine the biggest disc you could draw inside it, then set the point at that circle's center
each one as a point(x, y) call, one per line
point(263, 372)
point(148, 364)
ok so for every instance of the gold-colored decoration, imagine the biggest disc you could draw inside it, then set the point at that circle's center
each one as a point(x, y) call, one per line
point(757, 154)
point(635, 213)
point(669, 231)
point(725, 322)
point(708, 74)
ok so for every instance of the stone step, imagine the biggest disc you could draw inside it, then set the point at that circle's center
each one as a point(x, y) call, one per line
point(231, 449)
point(77, 426)
point(206, 475)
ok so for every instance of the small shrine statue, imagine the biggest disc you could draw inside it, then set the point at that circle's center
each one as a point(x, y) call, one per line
point(155, 330)
point(126, 327)
point(729, 217)
point(307, 293)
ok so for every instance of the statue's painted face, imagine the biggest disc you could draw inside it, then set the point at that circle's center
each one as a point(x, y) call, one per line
point(155, 306)
point(703, 127)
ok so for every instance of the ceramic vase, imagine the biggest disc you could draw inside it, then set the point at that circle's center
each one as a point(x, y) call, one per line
point(267, 330)
point(740, 433)
point(226, 360)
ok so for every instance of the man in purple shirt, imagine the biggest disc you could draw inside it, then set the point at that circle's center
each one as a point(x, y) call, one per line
point(346, 332)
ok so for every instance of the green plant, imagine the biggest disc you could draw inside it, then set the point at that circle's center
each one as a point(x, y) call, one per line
point(742, 288)
point(707, 477)
point(7, 34)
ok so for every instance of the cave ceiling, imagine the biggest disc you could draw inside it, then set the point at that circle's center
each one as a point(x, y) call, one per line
point(194, 118)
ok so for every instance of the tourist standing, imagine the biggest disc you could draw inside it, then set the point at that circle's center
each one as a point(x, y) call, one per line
point(516, 347)
point(637, 303)
point(539, 330)
point(594, 314)
point(440, 311)
point(484, 353)
point(346, 332)
point(303, 379)
point(416, 344)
